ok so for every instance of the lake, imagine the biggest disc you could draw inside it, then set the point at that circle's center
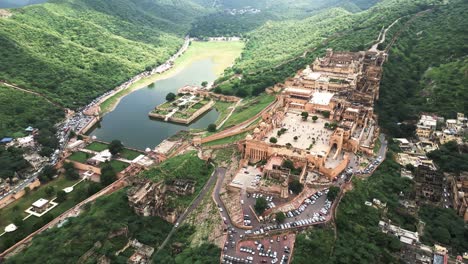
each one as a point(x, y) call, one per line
point(129, 121)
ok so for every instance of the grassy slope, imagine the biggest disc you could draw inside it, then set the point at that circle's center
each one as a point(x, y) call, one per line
point(16, 209)
point(107, 214)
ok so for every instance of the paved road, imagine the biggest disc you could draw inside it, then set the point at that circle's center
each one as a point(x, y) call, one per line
point(195, 203)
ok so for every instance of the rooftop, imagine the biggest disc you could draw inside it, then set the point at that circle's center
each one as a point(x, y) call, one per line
point(40, 203)
point(321, 98)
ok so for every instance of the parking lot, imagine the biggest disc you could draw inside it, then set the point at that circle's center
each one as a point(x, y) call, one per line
point(270, 249)
point(247, 177)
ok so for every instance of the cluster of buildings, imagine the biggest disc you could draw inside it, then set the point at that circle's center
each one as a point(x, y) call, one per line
point(434, 128)
point(444, 189)
point(90, 162)
point(413, 251)
point(245, 10)
point(337, 92)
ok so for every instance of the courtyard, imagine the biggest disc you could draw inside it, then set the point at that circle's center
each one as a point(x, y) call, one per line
point(311, 135)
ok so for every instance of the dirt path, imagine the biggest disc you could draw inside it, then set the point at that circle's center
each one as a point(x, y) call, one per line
point(34, 93)
point(381, 38)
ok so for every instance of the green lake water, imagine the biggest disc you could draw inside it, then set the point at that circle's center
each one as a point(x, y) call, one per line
point(129, 122)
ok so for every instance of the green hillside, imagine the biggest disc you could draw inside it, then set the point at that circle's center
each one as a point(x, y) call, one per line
point(223, 23)
point(275, 51)
point(75, 50)
point(427, 69)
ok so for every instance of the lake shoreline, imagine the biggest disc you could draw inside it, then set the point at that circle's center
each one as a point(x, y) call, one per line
point(188, 57)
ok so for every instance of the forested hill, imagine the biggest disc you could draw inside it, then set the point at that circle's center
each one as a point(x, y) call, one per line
point(74, 50)
point(225, 22)
point(276, 50)
point(427, 69)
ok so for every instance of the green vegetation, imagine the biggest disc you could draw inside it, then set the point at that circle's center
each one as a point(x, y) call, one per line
point(450, 157)
point(97, 146)
point(78, 235)
point(115, 147)
point(280, 217)
point(129, 154)
point(80, 156)
point(185, 166)
point(289, 164)
point(223, 110)
point(108, 174)
point(117, 165)
point(211, 128)
point(295, 186)
point(19, 110)
point(261, 205)
point(15, 211)
point(444, 226)
point(170, 97)
point(12, 162)
point(314, 242)
point(333, 193)
point(425, 70)
point(359, 238)
point(222, 23)
point(95, 44)
point(226, 140)
point(277, 50)
point(70, 171)
point(249, 108)
point(273, 140)
point(204, 253)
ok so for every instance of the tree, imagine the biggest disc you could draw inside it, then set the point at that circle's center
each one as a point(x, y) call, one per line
point(204, 84)
point(314, 118)
point(49, 191)
point(333, 193)
point(261, 205)
point(18, 221)
point(70, 172)
point(211, 128)
point(48, 173)
point(273, 140)
point(295, 186)
point(61, 196)
point(304, 115)
point(410, 167)
point(326, 114)
point(108, 174)
point(295, 138)
point(280, 217)
point(170, 97)
point(115, 147)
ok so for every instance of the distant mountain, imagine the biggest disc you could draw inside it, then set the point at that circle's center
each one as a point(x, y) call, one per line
point(19, 3)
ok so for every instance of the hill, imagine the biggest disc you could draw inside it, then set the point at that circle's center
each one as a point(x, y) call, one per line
point(71, 51)
point(74, 50)
point(427, 69)
point(277, 49)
